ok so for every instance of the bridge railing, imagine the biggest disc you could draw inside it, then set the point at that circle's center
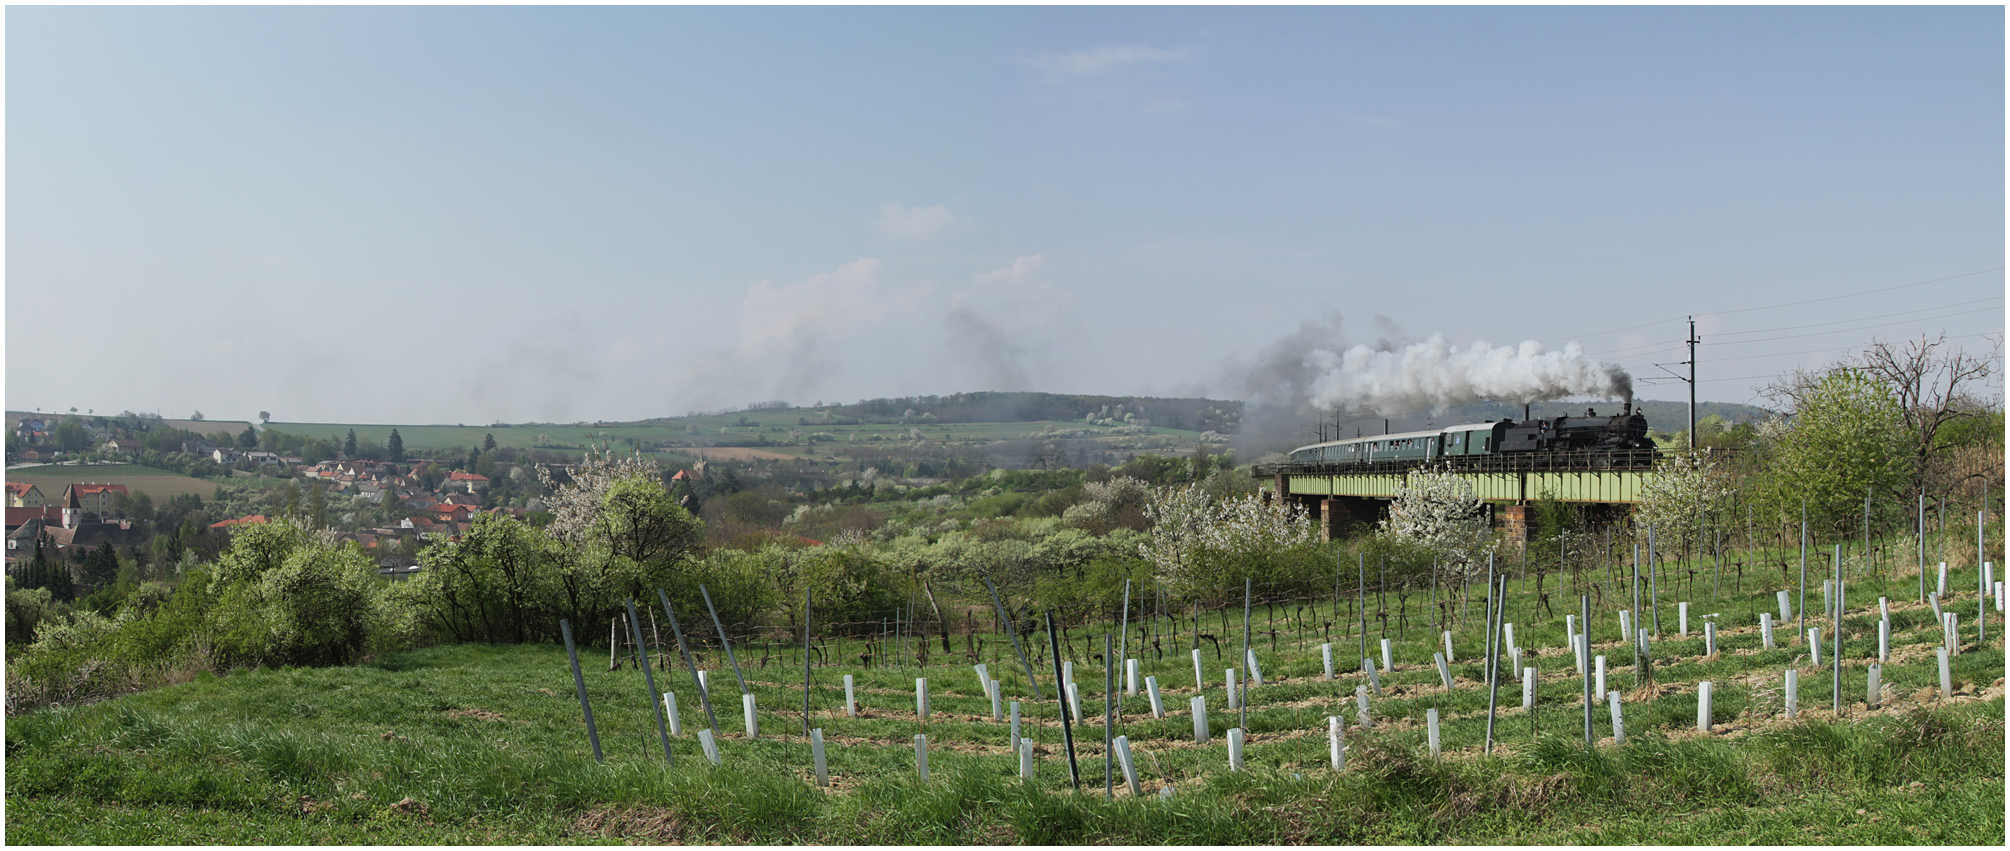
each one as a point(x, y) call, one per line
point(1519, 462)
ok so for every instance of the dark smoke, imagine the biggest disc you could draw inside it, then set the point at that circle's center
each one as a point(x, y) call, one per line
point(1276, 387)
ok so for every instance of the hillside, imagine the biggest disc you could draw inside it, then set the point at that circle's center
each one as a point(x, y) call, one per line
point(485, 744)
point(160, 485)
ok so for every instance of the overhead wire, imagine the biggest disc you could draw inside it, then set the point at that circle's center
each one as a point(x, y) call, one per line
point(1786, 304)
point(1845, 321)
point(1719, 343)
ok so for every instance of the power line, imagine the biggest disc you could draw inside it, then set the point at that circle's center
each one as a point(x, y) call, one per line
point(1809, 351)
point(1788, 304)
point(1675, 345)
point(1859, 319)
point(1857, 328)
point(1816, 333)
point(1854, 295)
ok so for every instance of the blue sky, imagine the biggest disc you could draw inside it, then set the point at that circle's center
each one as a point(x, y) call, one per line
point(477, 214)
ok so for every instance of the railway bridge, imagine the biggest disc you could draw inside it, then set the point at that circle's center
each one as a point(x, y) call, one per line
point(1339, 496)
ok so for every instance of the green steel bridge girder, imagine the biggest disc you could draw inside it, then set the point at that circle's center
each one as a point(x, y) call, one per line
point(1590, 486)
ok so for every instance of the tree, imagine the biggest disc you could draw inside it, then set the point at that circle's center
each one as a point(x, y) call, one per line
point(264, 416)
point(248, 439)
point(1120, 502)
point(315, 450)
point(58, 578)
point(1201, 548)
point(396, 446)
point(1683, 488)
point(317, 507)
point(1845, 437)
point(290, 597)
point(488, 442)
point(1934, 390)
point(101, 567)
point(70, 436)
point(1437, 510)
point(497, 583)
point(349, 444)
point(626, 536)
point(197, 416)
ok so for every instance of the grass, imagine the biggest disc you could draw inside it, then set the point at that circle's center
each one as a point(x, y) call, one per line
point(712, 430)
point(156, 483)
point(484, 744)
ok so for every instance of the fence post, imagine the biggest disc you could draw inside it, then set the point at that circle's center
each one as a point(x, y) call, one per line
point(805, 660)
point(704, 695)
point(1067, 731)
point(1242, 705)
point(1583, 642)
point(586, 708)
point(1109, 705)
point(649, 681)
point(1012, 629)
point(724, 642)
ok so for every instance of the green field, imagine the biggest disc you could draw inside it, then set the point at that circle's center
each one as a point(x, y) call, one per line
point(721, 432)
point(484, 744)
point(155, 483)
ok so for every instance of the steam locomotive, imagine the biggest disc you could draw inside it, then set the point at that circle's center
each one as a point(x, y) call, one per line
point(1590, 435)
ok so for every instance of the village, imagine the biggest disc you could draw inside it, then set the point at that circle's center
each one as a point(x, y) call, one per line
point(387, 508)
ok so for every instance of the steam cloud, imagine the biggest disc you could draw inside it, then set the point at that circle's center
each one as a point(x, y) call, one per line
point(1435, 375)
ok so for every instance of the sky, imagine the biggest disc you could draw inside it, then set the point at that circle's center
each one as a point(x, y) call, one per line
point(509, 214)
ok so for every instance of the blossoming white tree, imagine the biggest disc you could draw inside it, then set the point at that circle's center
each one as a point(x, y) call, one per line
point(1673, 500)
point(1438, 511)
point(1202, 547)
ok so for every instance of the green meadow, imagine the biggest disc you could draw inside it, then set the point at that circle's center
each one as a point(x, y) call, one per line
point(486, 744)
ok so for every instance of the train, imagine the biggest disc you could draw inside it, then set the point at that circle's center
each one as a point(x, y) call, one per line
point(1587, 435)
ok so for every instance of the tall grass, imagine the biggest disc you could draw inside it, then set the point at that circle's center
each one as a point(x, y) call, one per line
point(484, 744)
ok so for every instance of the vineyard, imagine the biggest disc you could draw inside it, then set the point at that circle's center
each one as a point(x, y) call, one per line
point(482, 743)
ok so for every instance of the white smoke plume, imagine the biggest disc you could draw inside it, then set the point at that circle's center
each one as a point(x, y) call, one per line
point(1435, 375)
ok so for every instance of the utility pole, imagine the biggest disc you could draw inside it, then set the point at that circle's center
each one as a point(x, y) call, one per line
point(1692, 383)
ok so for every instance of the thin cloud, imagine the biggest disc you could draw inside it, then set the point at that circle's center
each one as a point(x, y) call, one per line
point(774, 317)
point(1098, 60)
point(913, 223)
